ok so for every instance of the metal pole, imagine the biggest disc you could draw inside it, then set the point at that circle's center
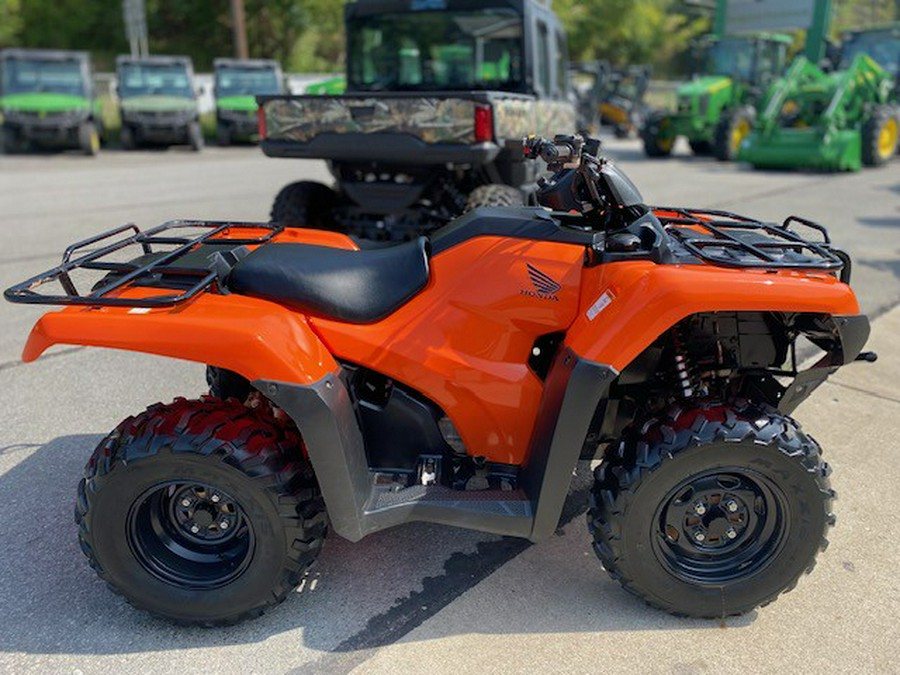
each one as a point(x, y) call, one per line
point(240, 29)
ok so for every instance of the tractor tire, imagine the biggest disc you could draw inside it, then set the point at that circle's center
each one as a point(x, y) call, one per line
point(701, 148)
point(201, 512)
point(494, 194)
point(89, 139)
point(223, 135)
point(195, 136)
point(731, 131)
point(658, 142)
point(714, 513)
point(880, 136)
point(304, 204)
point(127, 138)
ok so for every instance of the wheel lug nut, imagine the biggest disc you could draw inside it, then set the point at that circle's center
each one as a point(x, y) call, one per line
point(215, 499)
point(185, 502)
point(699, 536)
point(699, 508)
point(195, 529)
point(224, 525)
point(731, 533)
point(731, 505)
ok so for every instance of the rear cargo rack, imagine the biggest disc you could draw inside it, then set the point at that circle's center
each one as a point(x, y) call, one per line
point(730, 240)
point(159, 269)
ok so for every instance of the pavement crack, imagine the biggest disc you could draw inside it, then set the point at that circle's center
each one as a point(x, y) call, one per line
point(883, 397)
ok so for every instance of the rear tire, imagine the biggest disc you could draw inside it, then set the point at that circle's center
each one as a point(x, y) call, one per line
point(714, 513)
point(202, 512)
point(12, 141)
point(880, 136)
point(494, 194)
point(304, 204)
point(658, 136)
point(730, 133)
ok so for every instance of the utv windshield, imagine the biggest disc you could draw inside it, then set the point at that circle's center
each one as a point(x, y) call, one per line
point(731, 57)
point(882, 46)
point(236, 81)
point(22, 76)
point(429, 51)
point(143, 79)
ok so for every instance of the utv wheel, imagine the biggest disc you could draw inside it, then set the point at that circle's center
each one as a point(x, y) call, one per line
point(304, 204)
point(195, 136)
point(223, 134)
point(126, 138)
point(494, 195)
point(89, 139)
point(12, 141)
point(202, 512)
point(880, 136)
point(658, 136)
point(713, 514)
point(731, 131)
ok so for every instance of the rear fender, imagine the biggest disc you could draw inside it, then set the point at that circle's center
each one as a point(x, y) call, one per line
point(257, 339)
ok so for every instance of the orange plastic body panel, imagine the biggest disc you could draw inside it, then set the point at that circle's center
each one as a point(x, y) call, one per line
point(258, 339)
point(646, 299)
point(465, 340)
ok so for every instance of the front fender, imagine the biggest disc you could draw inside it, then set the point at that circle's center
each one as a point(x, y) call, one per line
point(625, 306)
point(257, 339)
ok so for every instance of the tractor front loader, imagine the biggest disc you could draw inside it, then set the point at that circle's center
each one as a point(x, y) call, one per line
point(830, 121)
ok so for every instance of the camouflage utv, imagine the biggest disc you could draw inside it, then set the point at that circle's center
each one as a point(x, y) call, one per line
point(439, 96)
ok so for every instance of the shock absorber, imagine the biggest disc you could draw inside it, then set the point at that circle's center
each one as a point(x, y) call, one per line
point(683, 366)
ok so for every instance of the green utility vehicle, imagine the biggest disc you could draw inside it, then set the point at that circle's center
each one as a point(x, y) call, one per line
point(237, 83)
point(47, 99)
point(439, 96)
point(717, 107)
point(834, 121)
point(332, 85)
point(158, 102)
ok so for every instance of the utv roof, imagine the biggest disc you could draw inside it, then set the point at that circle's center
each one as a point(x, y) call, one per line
point(362, 8)
point(123, 59)
point(43, 54)
point(246, 63)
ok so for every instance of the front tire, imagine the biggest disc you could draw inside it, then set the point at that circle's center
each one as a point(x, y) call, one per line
point(714, 513)
point(223, 135)
point(880, 136)
point(658, 135)
point(202, 512)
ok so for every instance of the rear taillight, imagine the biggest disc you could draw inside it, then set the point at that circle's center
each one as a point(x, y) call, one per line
point(261, 122)
point(484, 123)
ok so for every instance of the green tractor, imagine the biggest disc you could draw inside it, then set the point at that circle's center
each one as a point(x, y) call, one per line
point(717, 107)
point(48, 100)
point(157, 102)
point(835, 121)
point(237, 83)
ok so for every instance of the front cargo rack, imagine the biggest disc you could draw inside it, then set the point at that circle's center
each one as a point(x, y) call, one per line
point(162, 264)
point(730, 240)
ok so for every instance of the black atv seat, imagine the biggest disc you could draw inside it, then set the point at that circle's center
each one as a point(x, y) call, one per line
point(354, 286)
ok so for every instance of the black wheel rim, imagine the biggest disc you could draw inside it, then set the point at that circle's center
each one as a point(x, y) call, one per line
point(721, 525)
point(190, 535)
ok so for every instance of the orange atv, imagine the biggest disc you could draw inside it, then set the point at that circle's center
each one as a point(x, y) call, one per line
point(458, 380)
